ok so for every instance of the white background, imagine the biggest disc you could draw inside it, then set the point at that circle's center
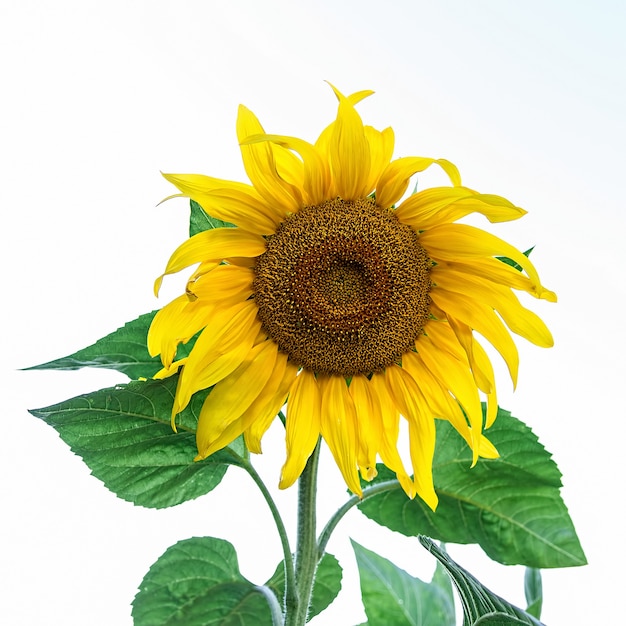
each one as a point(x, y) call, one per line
point(527, 98)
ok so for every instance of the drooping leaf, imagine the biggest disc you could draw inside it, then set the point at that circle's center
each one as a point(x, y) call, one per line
point(200, 220)
point(197, 582)
point(393, 597)
point(510, 506)
point(124, 435)
point(480, 605)
point(533, 590)
point(326, 586)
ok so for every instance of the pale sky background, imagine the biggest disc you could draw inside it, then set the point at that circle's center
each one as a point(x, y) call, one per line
point(527, 98)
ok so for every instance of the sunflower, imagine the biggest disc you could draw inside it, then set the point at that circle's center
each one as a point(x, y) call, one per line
point(351, 305)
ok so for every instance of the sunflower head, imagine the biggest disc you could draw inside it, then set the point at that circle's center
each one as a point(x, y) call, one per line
point(345, 300)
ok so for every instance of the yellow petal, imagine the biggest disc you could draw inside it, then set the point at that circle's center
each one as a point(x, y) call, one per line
point(482, 319)
point(496, 271)
point(438, 397)
point(224, 282)
point(212, 245)
point(257, 419)
point(413, 406)
point(349, 153)
point(338, 427)
point(519, 319)
point(260, 164)
point(175, 323)
point(381, 150)
point(391, 428)
point(232, 396)
point(422, 435)
point(457, 377)
point(487, 449)
point(316, 174)
point(354, 98)
point(482, 361)
point(229, 201)
point(439, 205)
point(370, 424)
point(219, 349)
point(394, 180)
point(460, 242)
point(302, 427)
point(465, 337)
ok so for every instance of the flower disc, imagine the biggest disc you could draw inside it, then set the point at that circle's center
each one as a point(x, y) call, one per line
point(343, 287)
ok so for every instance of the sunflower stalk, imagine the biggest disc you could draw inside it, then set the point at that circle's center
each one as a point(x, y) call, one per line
point(290, 581)
point(307, 553)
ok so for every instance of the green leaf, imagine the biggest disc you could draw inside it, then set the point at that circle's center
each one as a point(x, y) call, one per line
point(124, 435)
point(197, 582)
point(533, 590)
point(124, 350)
point(510, 506)
point(326, 586)
point(200, 220)
point(394, 598)
point(480, 605)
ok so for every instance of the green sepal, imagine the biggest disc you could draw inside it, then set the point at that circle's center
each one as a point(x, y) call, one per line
point(326, 586)
point(200, 220)
point(393, 597)
point(123, 434)
point(480, 605)
point(512, 263)
point(510, 506)
point(197, 582)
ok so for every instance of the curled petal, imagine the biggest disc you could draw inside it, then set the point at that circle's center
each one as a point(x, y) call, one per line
point(484, 320)
point(519, 319)
point(216, 244)
point(260, 163)
point(460, 242)
point(440, 205)
point(316, 173)
point(229, 201)
point(394, 180)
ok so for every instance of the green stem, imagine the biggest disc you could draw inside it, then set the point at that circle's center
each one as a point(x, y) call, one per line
point(291, 596)
point(306, 550)
point(275, 608)
point(368, 492)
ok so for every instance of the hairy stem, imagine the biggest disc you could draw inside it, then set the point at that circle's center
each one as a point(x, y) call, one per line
point(291, 596)
point(368, 492)
point(307, 553)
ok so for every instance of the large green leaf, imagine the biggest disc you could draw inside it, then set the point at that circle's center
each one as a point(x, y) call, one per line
point(197, 582)
point(124, 435)
point(200, 220)
point(395, 598)
point(326, 586)
point(480, 606)
point(511, 506)
point(124, 350)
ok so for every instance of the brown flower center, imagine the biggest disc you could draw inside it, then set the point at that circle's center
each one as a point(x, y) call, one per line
point(343, 287)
